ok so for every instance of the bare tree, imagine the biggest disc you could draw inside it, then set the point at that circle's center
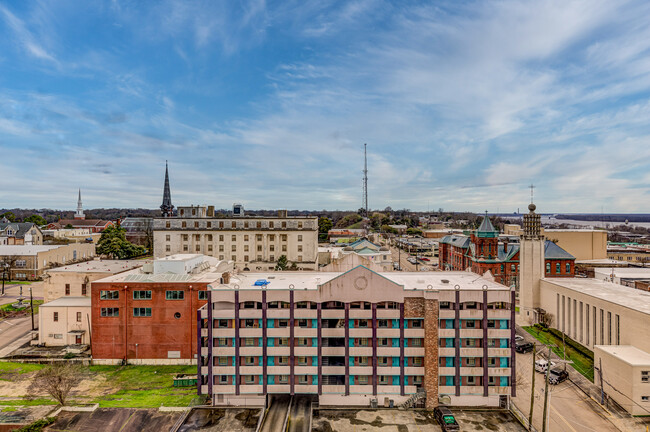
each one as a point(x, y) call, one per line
point(58, 379)
point(546, 319)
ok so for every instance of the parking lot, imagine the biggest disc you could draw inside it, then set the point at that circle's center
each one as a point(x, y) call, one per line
point(411, 421)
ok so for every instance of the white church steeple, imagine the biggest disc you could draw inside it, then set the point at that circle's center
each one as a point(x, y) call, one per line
point(80, 211)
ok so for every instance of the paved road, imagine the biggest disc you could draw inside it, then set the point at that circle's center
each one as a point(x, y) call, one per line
point(407, 266)
point(14, 332)
point(571, 410)
point(277, 413)
point(13, 291)
point(299, 415)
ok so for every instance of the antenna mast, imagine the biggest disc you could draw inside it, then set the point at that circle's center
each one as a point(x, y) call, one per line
point(364, 204)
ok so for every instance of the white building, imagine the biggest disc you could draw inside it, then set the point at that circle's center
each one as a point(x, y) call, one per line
point(65, 321)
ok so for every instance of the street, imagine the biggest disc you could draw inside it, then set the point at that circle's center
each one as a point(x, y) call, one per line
point(407, 266)
point(571, 410)
point(15, 331)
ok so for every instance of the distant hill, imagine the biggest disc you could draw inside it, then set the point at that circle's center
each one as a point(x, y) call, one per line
point(613, 217)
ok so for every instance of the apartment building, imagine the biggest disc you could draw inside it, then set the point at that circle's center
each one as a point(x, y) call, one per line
point(29, 262)
point(252, 243)
point(358, 336)
point(148, 315)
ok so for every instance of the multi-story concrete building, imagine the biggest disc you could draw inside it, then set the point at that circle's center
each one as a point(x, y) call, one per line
point(583, 244)
point(357, 336)
point(148, 315)
point(252, 243)
point(65, 321)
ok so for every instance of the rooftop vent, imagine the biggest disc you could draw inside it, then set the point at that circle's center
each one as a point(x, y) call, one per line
point(445, 281)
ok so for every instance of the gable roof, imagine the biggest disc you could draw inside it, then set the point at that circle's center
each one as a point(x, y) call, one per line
point(553, 251)
point(19, 228)
point(460, 241)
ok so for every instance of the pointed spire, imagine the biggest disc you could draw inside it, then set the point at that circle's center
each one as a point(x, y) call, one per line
point(167, 208)
point(486, 229)
point(80, 211)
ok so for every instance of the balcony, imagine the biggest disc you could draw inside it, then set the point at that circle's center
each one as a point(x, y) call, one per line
point(305, 332)
point(358, 352)
point(499, 333)
point(387, 313)
point(499, 314)
point(499, 352)
point(249, 332)
point(278, 388)
point(249, 370)
point(277, 313)
point(471, 352)
point(446, 333)
point(305, 389)
point(336, 389)
point(204, 389)
point(388, 351)
point(204, 332)
point(204, 370)
point(337, 351)
point(392, 333)
point(412, 351)
point(388, 370)
point(471, 390)
point(499, 390)
point(471, 314)
point(361, 389)
point(447, 314)
point(360, 370)
point(279, 332)
point(361, 333)
point(360, 314)
point(333, 313)
point(414, 333)
point(387, 389)
point(499, 371)
point(204, 351)
point(223, 389)
point(305, 351)
point(250, 389)
point(223, 351)
point(333, 370)
point(250, 313)
point(446, 390)
point(471, 371)
point(305, 313)
point(471, 333)
point(223, 314)
point(447, 352)
point(278, 351)
point(447, 371)
point(414, 370)
point(223, 370)
point(305, 370)
point(223, 332)
point(333, 332)
point(250, 351)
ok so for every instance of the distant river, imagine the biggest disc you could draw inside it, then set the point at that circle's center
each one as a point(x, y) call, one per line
point(590, 224)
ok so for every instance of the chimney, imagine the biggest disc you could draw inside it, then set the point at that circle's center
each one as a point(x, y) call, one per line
point(210, 211)
point(505, 245)
point(226, 278)
point(282, 213)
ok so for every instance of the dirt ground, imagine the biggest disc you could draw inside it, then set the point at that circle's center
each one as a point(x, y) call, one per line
point(221, 420)
point(16, 386)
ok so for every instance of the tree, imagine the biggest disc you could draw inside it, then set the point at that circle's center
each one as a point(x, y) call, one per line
point(113, 243)
point(324, 225)
point(348, 220)
point(9, 215)
point(68, 226)
point(282, 263)
point(36, 219)
point(58, 379)
point(413, 231)
point(388, 229)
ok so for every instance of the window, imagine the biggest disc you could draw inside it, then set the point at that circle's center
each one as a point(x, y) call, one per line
point(223, 379)
point(210, 226)
point(362, 323)
point(492, 361)
point(417, 361)
point(471, 362)
point(168, 237)
point(185, 237)
point(168, 248)
point(272, 248)
point(302, 379)
point(21, 263)
point(382, 342)
point(548, 267)
point(302, 361)
point(283, 361)
point(233, 225)
point(382, 323)
point(259, 248)
point(383, 380)
point(168, 224)
point(56, 317)
point(78, 316)
point(142, 295)
point(84, 290)
point(558, 268)
point(302, 342)
point(382, 361)
point(249, 361)
point(645, 376)
point(300, 227)
point(362, 342)
point(491, 324)
point(245, 248)
point(58, 336)
point(302, 323)
point(198, 248)
point(299, 248)
point(470, 324)
point(109, 295)
point(110, 312)
point(234, 237)
point(209, 248)
point(234, 248)
point(67, 289)
point(222, 323)
point(299, 236)
point(250, 342)
point(363, 379)
point(416, 323)
point(141, 312)
point(174, 295)
point(362, 361)
point(568, 267)
point(223, 361)
point(185, 249)
point(470, 380)
point(283, 379)
point(645, 398)
point(284, 248)
point(249, 379)
point(221, 342)
point(250, 323)
point(283, 236)
point(283, 341)
point(415, 343)
point(220, 248)
point(283, 323)
point(203, 295)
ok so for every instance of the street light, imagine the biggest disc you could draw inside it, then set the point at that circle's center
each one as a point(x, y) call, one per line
point(5, 266)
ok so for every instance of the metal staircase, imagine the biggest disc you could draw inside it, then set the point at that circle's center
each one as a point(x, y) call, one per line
point(410, 402)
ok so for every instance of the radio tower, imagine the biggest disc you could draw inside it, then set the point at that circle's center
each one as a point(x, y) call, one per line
point(364, 204)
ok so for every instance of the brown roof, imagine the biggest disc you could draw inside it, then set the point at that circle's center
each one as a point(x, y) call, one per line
point(84, 222)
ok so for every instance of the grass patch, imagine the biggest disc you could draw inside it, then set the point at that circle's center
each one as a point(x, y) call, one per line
point(19, 368)
point(27, 402)
point(144, 386)
point(9, 308)
point(581, 362)
point(18, 283)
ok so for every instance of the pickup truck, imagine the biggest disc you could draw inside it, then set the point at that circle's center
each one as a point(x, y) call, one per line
point(446, 418)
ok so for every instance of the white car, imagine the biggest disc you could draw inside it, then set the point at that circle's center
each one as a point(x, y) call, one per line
point(518, 338)
point(541, 365)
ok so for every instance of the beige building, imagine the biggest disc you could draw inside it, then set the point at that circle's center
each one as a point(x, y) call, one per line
point(626, 376)
point(15, 233)
point(74, 279)
point(65, 321)
point(29, 262)
point(583, 244)
point(252, 243)
point(629, 253)
point(76, 235)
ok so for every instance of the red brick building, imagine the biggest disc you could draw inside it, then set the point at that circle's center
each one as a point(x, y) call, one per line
point(482, 252)
point(151, 317)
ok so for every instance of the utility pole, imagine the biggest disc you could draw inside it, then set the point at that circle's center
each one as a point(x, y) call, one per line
point(548, 369)
point(600, 372)
point(31, 305)
point(365, 180)
point(563, 351)
point(532, 392)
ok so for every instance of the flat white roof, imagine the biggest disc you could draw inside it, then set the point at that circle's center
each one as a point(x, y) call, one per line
point(22, 250)
point(604, 261)
point(68, 302)
point(100, 266)
point(627, 353)
point(630, 298)
point(410, 280)
point(625, 272)
point(179, 257)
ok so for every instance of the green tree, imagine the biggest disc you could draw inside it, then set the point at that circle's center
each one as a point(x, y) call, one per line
point(388, 229)
point(324, 225)
point(36, 219)
point(282, 263)
point(68, 226)
point(113, 243)
point(413, 231)
point(9, 215)
point(348, 220)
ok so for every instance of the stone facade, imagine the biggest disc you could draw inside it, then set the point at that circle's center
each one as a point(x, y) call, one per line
point(431, 352)
point(413, 307)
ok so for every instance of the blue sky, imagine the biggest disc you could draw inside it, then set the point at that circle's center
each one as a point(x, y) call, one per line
point(462, 104)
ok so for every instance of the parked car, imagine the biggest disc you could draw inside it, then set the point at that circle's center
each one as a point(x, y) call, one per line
point(557, 375)
point(424, 259)
point(523, 347)
point(542, 364)
point(518, 338)
point(446, 419)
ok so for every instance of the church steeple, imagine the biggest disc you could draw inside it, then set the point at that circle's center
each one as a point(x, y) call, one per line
point(167, 208)
point(80, 211)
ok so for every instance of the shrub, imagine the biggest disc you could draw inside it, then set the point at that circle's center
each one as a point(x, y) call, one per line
point(38, 425)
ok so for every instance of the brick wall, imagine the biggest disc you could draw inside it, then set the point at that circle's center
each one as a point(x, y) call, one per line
point(431, 352)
